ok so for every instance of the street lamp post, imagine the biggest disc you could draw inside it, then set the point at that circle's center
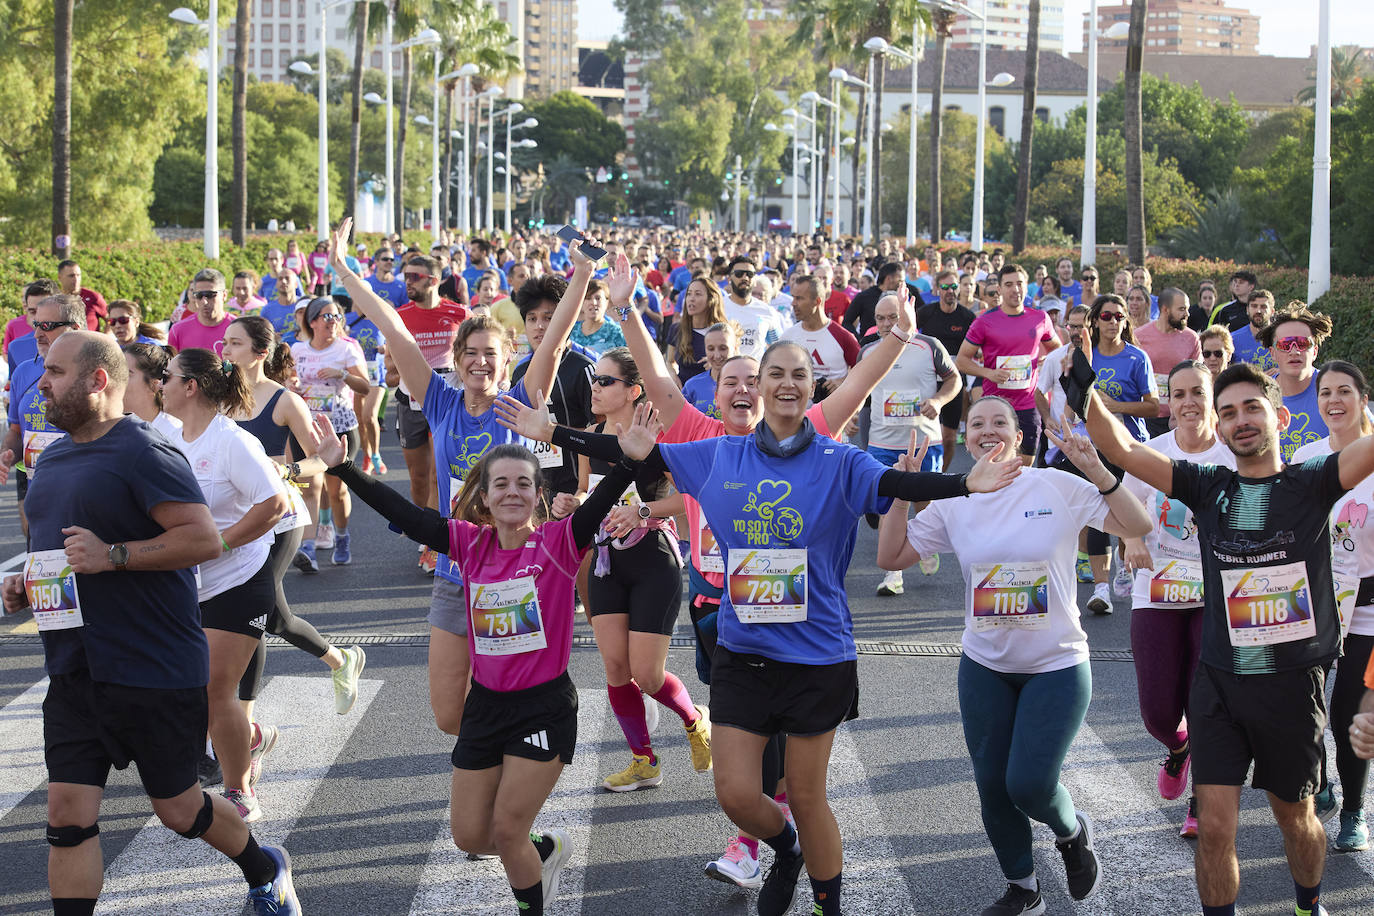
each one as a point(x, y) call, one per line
point(389, 220)
point(816, 100)
point(211, 23)
point(837, 76)
point(489, 220)
point(1319, 254)
point(1089, 232)
point(876, 46)
point(430, 37)
point(513, 109)
point(465, 73)
point(1001, 79)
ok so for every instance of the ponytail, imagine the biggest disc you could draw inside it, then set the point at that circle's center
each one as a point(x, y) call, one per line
point(221, 382)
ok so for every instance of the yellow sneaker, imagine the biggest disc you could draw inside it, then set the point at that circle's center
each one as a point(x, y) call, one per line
point(699, 736)
point(639, 774)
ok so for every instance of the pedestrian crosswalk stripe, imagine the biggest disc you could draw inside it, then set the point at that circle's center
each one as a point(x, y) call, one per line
point(452, 884)
point(21, 746)
point(161, 872)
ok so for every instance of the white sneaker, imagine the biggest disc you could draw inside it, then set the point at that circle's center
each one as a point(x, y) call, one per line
point(892, 584)
point(930, 565)
point(650, 712)
point(736, 867)
point(1122, 581)
point(1101, 601)
point(324, 536)
point(553, 866)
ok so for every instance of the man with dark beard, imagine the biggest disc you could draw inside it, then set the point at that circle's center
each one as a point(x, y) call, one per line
point(1168, 341)
point(759, 324)
point(117, 520)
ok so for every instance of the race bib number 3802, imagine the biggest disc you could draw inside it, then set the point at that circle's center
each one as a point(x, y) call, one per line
point(51, 588)
point(1269, 605)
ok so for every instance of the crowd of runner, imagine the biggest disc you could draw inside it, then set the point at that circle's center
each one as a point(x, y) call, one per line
point(563, 418)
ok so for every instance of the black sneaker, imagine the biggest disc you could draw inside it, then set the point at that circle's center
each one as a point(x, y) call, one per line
point(208, 771)
point(1080, 862)
point(1017, 901)
point(779, 889)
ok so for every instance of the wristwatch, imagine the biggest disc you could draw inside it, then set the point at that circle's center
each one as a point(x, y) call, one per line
point(644, 512)
point(119, 557)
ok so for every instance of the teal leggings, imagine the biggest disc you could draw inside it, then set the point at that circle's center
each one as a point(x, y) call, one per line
point(1018, 728)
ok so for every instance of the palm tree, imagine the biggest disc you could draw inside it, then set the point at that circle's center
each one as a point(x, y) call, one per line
point(1023, 171)
point(942, 21)
point(239, 124)
point(1135, 179)
point(63, 11)
point(1348, 72)
point(361, 15)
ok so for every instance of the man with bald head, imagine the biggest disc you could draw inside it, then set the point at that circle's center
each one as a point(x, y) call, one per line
point(114, 598)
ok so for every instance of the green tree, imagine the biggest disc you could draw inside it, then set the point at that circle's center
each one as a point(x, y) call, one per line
point(1167, 196)
point(1348, 72)
point(570, 125)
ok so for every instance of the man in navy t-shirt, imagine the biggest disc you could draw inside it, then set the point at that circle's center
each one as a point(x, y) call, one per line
point(117, 522)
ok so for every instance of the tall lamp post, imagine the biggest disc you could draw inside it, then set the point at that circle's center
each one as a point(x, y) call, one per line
point(1089, 232)
point(389, 220)
point(526, 143)
point(1319, 254)
point(817, 204)
point(211, 23)
point(489, 218)
point(509, 112)
point(1001, 79)
point(837, 76)
point(465, 73)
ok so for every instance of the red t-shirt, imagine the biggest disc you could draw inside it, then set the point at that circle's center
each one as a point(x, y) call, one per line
point(95, 308)
point(434, 329)
point(837, 302)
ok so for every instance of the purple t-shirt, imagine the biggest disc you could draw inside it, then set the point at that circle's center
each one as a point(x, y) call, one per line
point(189, 333)
point(1012, 342)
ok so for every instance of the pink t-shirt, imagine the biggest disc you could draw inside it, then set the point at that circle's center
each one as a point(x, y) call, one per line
point(1012, 342)
point(692, 425)
point(189, 332)
point(14, 328)
point(1166, 351)
point(517, 639)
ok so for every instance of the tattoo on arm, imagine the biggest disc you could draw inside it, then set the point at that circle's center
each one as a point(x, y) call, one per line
point(151, 548)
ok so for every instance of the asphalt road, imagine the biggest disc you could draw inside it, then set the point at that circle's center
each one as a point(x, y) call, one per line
point(361, 800)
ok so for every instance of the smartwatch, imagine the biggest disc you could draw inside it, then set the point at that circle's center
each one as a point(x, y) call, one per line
point(119, 557)
point(644, 512)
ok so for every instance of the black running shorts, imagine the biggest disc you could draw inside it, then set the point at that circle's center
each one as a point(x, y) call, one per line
point(537, 723)
point(243, 609)
point(1275, 720)
point(89, 726)
point(645, 581)
point(411, 426)
point(768, 697)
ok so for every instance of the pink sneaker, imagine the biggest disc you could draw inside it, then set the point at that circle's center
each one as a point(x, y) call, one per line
point(1173, 774)
point(1189, 830)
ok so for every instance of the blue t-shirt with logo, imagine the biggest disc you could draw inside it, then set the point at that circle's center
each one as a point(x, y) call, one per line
point(1072, 293)
point(810, 500)
point(21, 350)
point(393, 291)
point(460, 441)
point(700, 392)
point(29, 411)
point(1305, 423)
point(1249, 350)
point(1127, 376)
point(283, 317)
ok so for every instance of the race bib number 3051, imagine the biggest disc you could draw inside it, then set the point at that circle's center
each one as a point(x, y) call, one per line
point(768, 586)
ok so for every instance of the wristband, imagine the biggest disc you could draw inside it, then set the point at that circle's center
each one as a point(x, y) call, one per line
point(225, 544)
point(1112, 489)
point(903, 336)
point(293, 470)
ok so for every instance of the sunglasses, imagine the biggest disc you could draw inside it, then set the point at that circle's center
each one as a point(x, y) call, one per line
point(1089, 278)
point(415, 278)
point(1110, 316)
point(1213, 354)
point(949, 286)
point(47, 326)
point(330, 318)
point(168, 376)
point(206, 293)
point(743, 274)
point(1291, 344)
point(385, 260)
point(121, 319)
point(606, 381)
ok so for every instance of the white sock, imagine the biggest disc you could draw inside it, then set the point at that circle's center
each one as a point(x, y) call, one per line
point(1027, 883)
point(209, 749)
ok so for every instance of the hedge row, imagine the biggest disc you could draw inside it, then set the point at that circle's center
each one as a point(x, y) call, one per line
point(154, 274)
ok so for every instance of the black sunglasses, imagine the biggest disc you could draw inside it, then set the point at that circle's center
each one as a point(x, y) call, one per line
point(743, 274)
point(1213, 354)
point(606, 381)
point(168, 375)
point(206, 293)
point(48, 326)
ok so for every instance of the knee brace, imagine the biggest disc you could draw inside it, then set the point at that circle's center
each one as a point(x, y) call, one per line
point(203, 820)
point(71, 836)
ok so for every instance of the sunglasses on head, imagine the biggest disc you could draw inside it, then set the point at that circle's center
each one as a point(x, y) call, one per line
point(206, 293)
point(47, 326)
point(1290, 344)
point(1213, 354)
point(606, 381)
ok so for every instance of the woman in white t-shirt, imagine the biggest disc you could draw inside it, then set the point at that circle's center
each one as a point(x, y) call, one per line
point(1024, 678)
point(332, 369)
point(1342, 400)
point(243, 490)
point(1166, 599)
point(143, 396)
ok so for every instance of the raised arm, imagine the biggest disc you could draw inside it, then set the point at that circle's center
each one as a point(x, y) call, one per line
point(401, 346)
point(1357, 461)
point(1126, 516)
point(544, 362)
point(863, 378)
point(660, 384)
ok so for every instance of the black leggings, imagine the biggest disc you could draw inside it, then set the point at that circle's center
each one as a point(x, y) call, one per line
point(281, 622)
point(1346, 694)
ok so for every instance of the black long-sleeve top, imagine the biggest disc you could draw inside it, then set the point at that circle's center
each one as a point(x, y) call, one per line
point(428, 527)
point(911, 486)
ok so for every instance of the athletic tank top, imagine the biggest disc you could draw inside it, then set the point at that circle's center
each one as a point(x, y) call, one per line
point(272, 436)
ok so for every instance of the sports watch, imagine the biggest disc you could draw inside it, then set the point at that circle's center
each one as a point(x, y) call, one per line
point(644, 512)
point(119, 557)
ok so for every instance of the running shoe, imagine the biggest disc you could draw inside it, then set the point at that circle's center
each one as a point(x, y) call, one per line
point(1189, 829)
point(246, 802)
point(209, 772)
point(367, 464)
point(699, 737)
point(555, 863)
point(738, 866)
point(1101, 601)
point(342, 556)
point(639, 774)
point(267, 736)
point(305, 559)
point(1354, 834)
point(1122, 581)
point(930, 565)
point(1324, 804)
point(324, 536)
point(1080, 862)
point(891, 584)
point(380, 465)
point(481, 857)
point(651, 714)
point(779, 890)
point(346, 678)
point(1083, 569)
point(429, 561)
point(1017, 901)
point(1173, 774)
point(279, 897)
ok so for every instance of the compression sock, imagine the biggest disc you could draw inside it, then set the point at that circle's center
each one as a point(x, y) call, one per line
point(258, 868)
point(673, 694)
point(544, 844)
point(326, 516)
point(780, 798)
point(786, 843)
point(1307, 898)
point(628, 705)
point(529, 901)
point(73, 906)
point(1226, 909)
point(826, 895)
point(750, 844)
